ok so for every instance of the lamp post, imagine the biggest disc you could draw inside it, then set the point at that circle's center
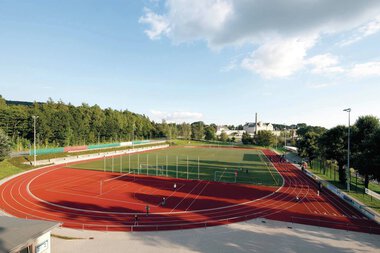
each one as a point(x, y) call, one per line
point(348, 150)
point(34, 142)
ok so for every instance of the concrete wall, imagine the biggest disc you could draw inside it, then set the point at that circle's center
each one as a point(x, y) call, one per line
point(42, 244)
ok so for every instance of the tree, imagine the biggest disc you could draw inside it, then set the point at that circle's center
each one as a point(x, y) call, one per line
point(223, 136)
point(5, 146)
point(210, 133)
point(264, 138)
point(185, 131)
point(363, 156)
point(306, 129)
point(374, 145)
point(246, 138)
point(333, 145)
point(197, 130)
point(308, 146)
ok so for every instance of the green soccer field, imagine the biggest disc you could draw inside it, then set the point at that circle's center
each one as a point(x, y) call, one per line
point(214, 164)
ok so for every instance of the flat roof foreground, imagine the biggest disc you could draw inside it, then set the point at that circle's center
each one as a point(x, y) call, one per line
point(16, 233)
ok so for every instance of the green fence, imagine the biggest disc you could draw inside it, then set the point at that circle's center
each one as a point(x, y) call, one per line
point(140, 142)
point(107, 145)
point(47, 151)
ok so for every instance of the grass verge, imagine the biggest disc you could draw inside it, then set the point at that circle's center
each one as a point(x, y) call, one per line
point(329, 173)
point(8, 169)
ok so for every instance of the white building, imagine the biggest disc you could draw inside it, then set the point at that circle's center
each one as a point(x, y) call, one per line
point(250, 127)
point(231, 133)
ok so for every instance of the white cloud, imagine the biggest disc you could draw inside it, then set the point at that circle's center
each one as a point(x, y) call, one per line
point(325, 63)
point(364, 31)
point(282, 31)
point(320, 85)
point(178, 116)
point(366, 69)
point(279, 57)
point(159, 25)
point(230, 66)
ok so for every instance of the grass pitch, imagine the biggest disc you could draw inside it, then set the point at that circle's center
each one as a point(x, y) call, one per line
point(247, 166)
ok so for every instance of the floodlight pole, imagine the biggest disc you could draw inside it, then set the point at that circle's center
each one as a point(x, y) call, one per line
point(34, 142)
point(348, 149)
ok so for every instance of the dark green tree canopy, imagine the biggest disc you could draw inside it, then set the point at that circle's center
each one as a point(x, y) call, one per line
point(264, 138)
point(308, 145)
point(5, 145)
point(223, 136)
point(364, 150)
point(333, 146)
point(210, 133)
point(197, 130)
point(246, 139)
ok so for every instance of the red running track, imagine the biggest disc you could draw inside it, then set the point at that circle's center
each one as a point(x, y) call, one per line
point(77, 199)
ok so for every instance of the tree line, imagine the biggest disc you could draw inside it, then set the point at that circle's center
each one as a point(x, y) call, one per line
point(332, 144)
point(59, 124)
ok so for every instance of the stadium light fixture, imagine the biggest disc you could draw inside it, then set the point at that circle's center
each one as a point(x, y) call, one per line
point(34, 142)
point(348, 150)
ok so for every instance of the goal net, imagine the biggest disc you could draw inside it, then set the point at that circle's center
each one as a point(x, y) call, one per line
point(225, 176)
point(152, 169)
point(110, 183)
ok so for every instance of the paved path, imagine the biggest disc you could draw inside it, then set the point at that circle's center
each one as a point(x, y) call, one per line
point(250, 236)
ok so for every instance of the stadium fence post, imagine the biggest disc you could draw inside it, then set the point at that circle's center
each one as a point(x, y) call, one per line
point(147, 164)
point(104, 163)
point(176, 168)
point(138, 164)
point(187, 167)
point(198, 167)
point(156, 165)
point(166, 165)
point(112, 164)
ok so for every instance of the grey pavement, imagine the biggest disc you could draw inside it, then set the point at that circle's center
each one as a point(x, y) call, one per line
point(250, 236)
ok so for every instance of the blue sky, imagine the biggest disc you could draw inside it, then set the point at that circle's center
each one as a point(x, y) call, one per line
point(219, 61)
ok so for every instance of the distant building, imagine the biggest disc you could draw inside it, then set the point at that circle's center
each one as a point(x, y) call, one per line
point(231, 133)
point(251, 127)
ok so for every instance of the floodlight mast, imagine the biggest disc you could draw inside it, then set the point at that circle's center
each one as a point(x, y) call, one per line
point(34, 142)
point(348, 149)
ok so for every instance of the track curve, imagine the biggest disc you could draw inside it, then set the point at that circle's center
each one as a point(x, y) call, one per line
point(53, 193)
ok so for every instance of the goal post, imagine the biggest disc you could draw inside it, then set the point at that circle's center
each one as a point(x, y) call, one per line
point(109, 182)
point(225, 176)
point(158, 170)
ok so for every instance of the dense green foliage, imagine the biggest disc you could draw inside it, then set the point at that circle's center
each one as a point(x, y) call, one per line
point(364, 151)
point(264, 138)
point(210, 132)
point(246, 139)
point(223, 136)
point(332, 144)
point(5, 146)
point(59, 124)
point(197, 130)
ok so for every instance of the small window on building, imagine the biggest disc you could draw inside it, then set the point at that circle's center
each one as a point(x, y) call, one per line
point(27, 249)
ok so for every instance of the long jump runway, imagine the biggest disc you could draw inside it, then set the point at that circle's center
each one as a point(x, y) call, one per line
point(86, 199)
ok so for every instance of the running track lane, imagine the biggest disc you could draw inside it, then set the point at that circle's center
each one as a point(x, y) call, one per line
point(192, 208)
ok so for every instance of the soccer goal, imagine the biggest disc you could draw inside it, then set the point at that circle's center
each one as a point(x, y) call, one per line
point(109, 184)
point(225, 176)
point(152, 169)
